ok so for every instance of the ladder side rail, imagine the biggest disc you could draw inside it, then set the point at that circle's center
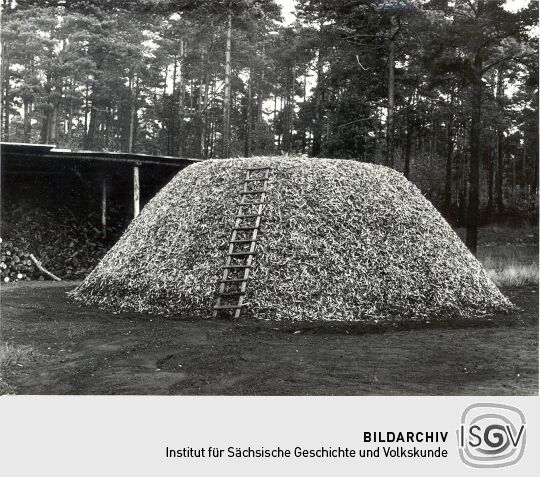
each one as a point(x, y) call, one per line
point(251, 252)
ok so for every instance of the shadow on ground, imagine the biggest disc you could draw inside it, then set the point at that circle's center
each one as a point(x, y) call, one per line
point(76, 350)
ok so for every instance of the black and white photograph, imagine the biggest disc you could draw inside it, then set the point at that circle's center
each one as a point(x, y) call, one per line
point(269, 198)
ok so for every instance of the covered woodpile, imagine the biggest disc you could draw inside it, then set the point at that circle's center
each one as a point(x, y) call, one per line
point(67, 208)
point(340, 240)
point(67, 245)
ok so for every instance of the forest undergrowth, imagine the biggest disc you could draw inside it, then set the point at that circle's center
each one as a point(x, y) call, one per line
point(509, 254)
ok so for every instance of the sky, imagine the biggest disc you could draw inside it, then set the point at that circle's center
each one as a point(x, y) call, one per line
point(516, 5)
point(287, 10)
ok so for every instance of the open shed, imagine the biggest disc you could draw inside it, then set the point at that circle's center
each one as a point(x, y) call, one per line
point(84, 180)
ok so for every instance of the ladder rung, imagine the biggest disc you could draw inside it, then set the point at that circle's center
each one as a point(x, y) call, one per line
point(237, 294)
point(232, 293)
point(228, 307)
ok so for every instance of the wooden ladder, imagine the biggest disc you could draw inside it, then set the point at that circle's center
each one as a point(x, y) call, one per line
point(243, 243)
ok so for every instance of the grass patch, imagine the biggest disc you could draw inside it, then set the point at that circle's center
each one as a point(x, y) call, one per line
point(510, 265)
point(5, 388)
point(11, 355)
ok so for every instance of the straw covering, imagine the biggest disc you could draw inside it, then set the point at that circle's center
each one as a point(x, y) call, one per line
point(340, 240)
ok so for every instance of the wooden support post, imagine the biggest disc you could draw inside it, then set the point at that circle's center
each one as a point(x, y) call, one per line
point(104, 206)
point(136, 191)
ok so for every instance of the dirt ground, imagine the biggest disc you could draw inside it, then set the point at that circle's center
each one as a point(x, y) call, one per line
point(76, 350)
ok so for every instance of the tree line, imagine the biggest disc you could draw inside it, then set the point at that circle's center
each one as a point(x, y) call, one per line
point(445, 91)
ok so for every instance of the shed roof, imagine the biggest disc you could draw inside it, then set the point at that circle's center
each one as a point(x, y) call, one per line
point(48, 151)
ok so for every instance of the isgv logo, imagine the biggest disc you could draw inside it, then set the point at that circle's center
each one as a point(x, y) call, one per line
point(491, 435)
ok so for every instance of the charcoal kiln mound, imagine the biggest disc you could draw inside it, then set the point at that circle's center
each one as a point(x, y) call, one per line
point(336, 240)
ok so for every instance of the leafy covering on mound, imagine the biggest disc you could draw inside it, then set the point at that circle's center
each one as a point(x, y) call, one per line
point(340, 240)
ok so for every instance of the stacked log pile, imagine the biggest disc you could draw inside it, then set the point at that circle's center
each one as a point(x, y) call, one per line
point(68, 246)
point(16, 264)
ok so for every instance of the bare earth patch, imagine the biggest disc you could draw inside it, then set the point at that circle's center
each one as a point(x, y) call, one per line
point(83, 350)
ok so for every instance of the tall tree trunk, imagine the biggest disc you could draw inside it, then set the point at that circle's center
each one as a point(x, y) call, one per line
point(408, 147)
point(226, 146)
point(473, 209)
point(534, 186)
point(92, 121)
point(27, 128)
point(260, 98)
point(285, 119)
point(247, 145)
point(274, 118)
point(204, 105)
point(432, 136)
point(280, 132)
point(55, 117)
point(166, 78)
point(303, 122)
point(500, 143)
point(53, 134)
point(70, 114)
point(449, 159)
point(199, 123)
point(108, 114)
point(92, 125)
point(490, 170)
point(86, 95)
point(133, 112)
point(317, 126)
point(524, 167)
point(6, 88)
point(212, 124)
point(172, 109)
point(46, 124)
point(181, 99)
point(391, 92)
point(212, 139)
point(292, 104)
point(514, 159)
point(463, 189)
